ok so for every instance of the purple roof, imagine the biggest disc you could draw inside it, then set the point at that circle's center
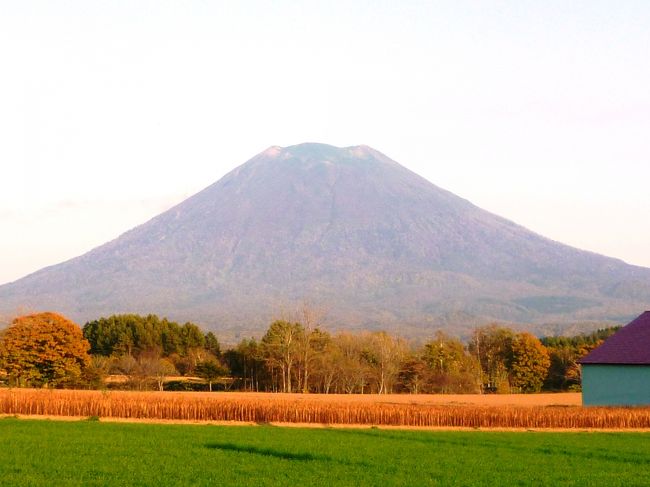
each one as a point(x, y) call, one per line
point(628, 346)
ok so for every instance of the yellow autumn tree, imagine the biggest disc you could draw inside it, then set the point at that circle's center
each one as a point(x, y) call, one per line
point(43, 349)
point(529, 363)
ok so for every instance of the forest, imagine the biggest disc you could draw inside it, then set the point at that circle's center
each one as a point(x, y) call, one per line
point(137, 352)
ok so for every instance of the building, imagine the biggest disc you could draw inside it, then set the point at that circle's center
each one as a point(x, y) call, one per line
point(618, 372)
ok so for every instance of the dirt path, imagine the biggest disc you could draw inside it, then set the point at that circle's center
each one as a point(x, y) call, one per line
point(324, 426)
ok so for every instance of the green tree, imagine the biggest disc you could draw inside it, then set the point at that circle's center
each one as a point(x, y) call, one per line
point(212, 344)
point(282, 349)
point(132, 334)
point(247, 363)
point(44, 349)
point(565, 351)
point(210, 371)
point(192, 337)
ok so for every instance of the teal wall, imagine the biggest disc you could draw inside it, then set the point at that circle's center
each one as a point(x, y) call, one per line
point(611, 385)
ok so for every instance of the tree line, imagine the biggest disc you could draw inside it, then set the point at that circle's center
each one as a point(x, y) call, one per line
point(48, 350)
point(293, 358)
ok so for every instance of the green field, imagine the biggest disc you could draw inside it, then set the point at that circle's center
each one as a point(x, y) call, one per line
point(95, 453)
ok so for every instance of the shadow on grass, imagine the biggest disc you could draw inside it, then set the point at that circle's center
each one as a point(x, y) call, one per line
point(270, 452)
point(284, 455)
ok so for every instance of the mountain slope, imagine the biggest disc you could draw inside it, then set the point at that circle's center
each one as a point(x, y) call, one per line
point(347, 229)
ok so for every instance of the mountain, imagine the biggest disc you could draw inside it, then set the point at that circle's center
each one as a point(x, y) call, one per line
point(348, 230)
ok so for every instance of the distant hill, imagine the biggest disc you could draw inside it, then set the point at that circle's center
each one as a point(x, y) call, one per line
point(350, 231)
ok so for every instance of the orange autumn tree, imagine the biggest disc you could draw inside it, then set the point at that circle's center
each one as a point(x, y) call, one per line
point(44, 349)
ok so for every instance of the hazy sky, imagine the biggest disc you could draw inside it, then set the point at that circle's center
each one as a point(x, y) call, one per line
point(111, 112)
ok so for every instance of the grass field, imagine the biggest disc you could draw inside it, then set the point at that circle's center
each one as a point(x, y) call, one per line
point(84, 453)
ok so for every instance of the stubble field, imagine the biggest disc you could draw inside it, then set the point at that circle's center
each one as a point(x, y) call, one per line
point(517, 411)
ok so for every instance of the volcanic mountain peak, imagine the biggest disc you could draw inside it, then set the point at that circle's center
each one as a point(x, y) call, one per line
point(313, 152)
point(349, 229)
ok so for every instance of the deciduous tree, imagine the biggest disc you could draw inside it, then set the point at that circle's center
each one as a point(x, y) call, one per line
point(491, 345)
point(384, 354)
point(529, 363)
point(210, 370)
point(44, 349)
point(156, 368)
point(452, 369)
point(282, 349)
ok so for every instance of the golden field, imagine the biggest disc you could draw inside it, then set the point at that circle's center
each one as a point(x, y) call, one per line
point(454, 411)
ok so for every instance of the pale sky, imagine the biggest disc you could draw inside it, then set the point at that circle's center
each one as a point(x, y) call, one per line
point(113, 111)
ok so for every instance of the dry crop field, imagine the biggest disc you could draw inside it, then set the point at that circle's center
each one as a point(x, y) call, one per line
point(556, 411)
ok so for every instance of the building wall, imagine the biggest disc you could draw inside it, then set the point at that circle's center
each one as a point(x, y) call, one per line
point(615, 385)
